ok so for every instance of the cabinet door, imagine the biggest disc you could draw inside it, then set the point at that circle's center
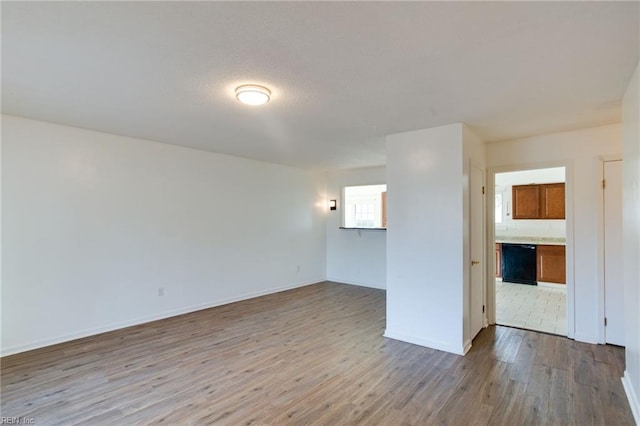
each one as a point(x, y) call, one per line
point(525, 201)
point(498, 260)
point(552, 198)
point(550, 264)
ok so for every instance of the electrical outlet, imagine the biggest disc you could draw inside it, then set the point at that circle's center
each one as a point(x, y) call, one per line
point(298, 268)
point(161, 291)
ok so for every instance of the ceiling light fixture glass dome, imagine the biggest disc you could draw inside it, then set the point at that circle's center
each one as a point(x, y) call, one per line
point(252, 94)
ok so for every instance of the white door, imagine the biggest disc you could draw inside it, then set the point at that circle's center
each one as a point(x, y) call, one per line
point(477, 249)
point(613, 281)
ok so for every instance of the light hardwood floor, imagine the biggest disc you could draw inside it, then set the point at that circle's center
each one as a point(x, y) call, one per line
point(313, 355)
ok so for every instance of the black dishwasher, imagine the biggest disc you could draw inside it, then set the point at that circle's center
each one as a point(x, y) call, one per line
point(519, 263)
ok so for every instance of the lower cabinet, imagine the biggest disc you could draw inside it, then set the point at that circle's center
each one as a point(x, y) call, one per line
point(550, 264)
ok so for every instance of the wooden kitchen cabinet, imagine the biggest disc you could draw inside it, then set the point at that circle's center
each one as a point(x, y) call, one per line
point(545, 201)
point(552, 201)
point(551, 264)
point(498, 260)
point(526, 201)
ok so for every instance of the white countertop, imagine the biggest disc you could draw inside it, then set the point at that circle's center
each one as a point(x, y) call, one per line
point(551, 241)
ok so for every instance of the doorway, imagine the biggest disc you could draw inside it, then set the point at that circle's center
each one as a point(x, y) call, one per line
point(530, 246)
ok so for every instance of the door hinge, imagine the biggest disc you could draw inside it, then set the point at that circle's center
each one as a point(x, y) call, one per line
point(605, 321)
point(483, 189)
point(483, 309)
point(604, 184)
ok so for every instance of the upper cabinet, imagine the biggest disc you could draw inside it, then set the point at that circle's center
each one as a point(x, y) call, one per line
point(552, 201)
point(526, 201)
point(545, 201)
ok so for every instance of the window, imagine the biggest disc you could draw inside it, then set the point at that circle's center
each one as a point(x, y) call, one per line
point(498, 208)
point(365, 206)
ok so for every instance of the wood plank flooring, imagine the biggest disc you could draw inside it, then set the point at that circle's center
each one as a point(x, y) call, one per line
point(313, 355)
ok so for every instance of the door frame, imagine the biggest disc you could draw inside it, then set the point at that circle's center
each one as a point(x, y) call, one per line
point(569, 244)
point(602, 337)
point(483, 254)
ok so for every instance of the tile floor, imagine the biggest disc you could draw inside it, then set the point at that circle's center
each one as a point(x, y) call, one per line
point(532, 307)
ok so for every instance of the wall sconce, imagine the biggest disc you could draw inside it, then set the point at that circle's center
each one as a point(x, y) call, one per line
point(333, 204)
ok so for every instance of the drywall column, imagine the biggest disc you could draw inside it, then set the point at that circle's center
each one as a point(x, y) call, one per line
point(631, 242)
point(425, 238)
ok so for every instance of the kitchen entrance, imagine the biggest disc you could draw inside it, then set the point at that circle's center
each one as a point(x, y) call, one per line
point(530, 236)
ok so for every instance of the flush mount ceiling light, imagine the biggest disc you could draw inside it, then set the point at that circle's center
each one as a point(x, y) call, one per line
point(252, 94)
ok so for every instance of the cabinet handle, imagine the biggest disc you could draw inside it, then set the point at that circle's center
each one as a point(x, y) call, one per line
point(475, 262)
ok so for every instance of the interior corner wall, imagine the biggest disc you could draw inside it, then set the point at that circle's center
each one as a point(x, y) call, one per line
point(355, 256)
point(583, 151)
point(425, 237)
point(631, 241)
point(94, 225)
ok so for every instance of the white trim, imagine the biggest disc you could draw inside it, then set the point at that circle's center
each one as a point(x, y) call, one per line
point(359, 284)
point(570, 250)
point(433, 344)
point(490, 247)
point(586, 338)
point(602, 311)
point(149, 318)
point(483, 251)
point(613, 157)
point(631, 396)
point(569, 239)
point(600, 234)
point(552, 285)
point(467, 346)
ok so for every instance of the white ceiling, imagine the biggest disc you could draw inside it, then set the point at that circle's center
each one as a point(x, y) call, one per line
point(343, 75)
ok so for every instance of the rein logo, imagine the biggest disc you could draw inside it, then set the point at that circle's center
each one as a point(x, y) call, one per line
point(17, 420)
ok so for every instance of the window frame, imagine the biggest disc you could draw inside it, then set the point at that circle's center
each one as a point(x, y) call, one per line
point(377, 213)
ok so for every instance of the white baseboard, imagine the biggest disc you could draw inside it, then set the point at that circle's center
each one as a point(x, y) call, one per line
point(586, 338)
point(360, 284)
point(441, 346)
point(141, 320)
point(631, 396)
point(467, 346)
point(552, 285)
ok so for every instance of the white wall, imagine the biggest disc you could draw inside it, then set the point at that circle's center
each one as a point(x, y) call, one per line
point(527, 227)
point(526, 177)
point(94, 224)
point(631, 243)
point(427, 238)
point(582, 152)
point(355, 256)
